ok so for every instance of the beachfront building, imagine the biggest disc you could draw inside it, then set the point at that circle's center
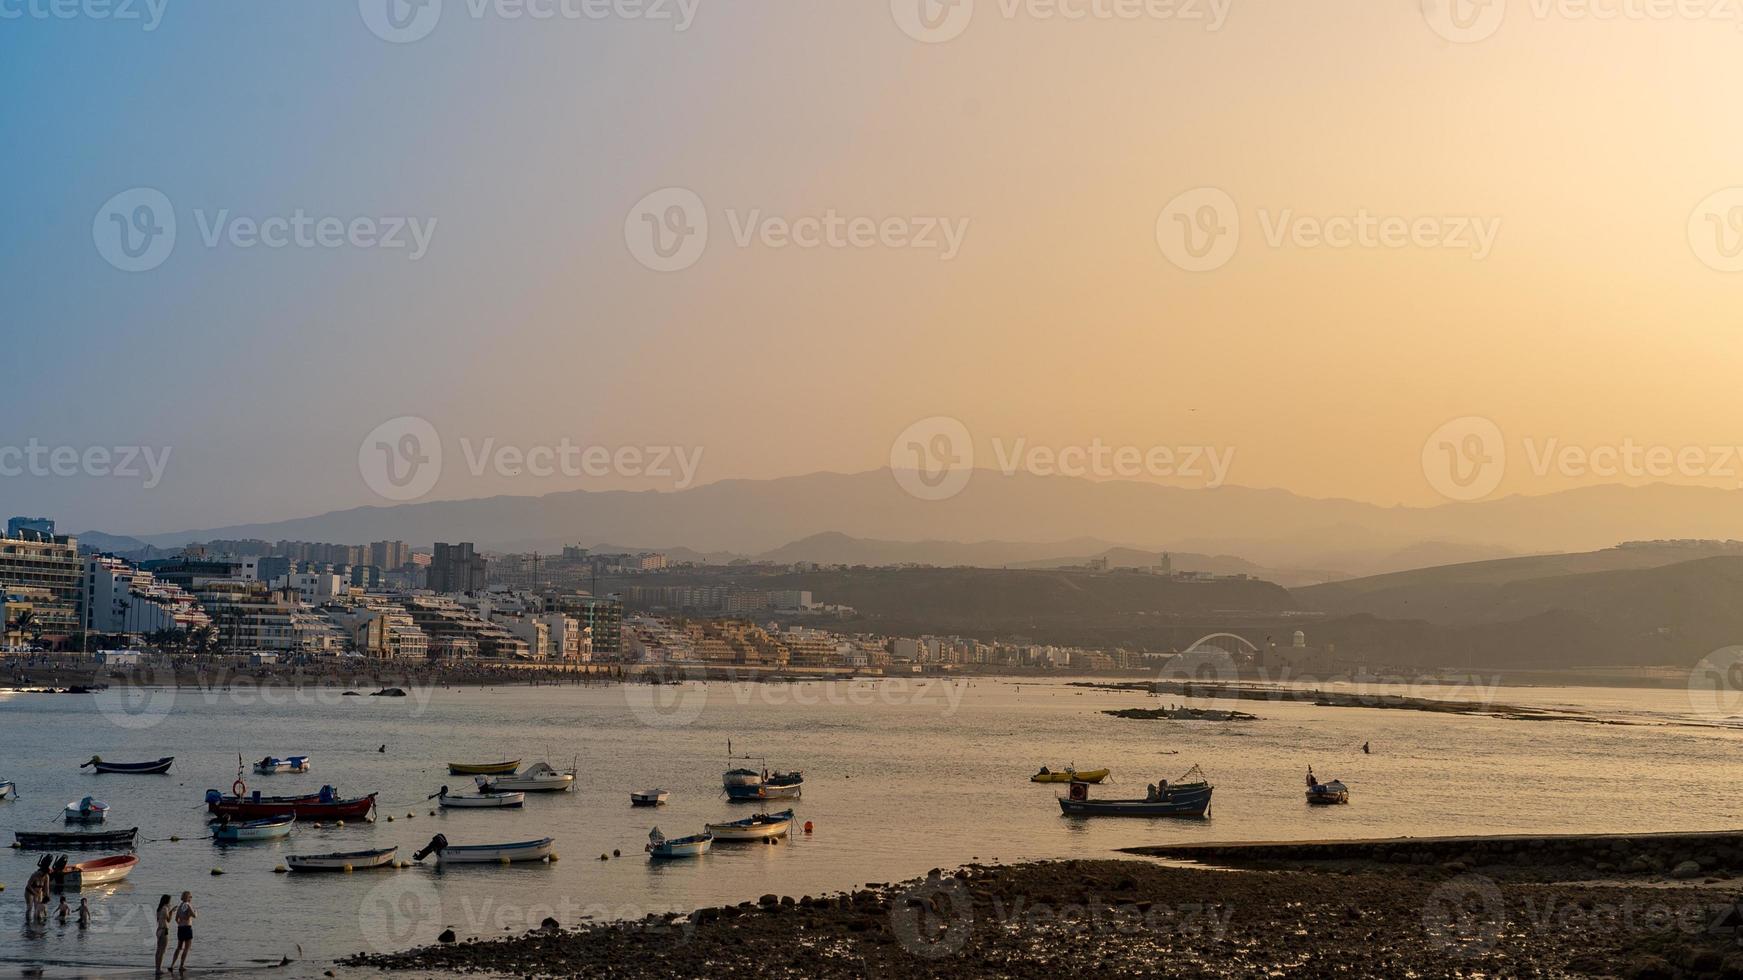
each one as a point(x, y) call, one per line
point(45, 570)
point(249, 617)
point(119, 598)
point(455, 631)
point(602, 617)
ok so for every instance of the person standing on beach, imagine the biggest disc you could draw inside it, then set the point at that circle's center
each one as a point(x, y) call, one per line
point(164, 914)
point(185, 917)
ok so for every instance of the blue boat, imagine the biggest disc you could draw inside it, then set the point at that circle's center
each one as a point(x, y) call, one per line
point(269, 828)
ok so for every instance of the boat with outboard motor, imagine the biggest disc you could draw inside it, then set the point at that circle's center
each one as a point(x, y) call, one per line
point(1186, 797)
point(273, 765)
point(1325, 794)
point(325, 805)
point(446, 853)
point(1069, 775)
point(89, 874)
point(661, 846)
point(87, 810)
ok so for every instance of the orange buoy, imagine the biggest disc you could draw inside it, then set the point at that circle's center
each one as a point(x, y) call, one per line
point(807, 826)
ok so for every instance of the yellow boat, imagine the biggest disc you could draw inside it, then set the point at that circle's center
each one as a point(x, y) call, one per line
point(483, 768)
point(1069, 776)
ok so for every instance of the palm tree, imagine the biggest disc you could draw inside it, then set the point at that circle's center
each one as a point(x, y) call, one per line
point(203, 638)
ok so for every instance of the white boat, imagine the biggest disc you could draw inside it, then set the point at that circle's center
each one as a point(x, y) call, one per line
point(344, 860)
point(446, 853)
point(271, 828)
point(272, 764)
point(661, 846)
point(755, 827)
point(88, 874)
point(536, 778)
point(87, 810)
point(480, 801)
point(1328, 794)
point(8, 789)
point(648, 797)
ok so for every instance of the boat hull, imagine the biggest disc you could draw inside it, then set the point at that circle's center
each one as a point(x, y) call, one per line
point(653, 797)
point(532, 850)
point(494, 801)
point(96, 812)
point(303, 809)
point(271, 767)
point(253, 830)
point(157, 768)
point(102, 871)
point(682, 847)
point(483, 768)
point(8, 789)
point(51, 840)
point(343, 861)
point(1191, 804)
point(1070, 776)
point(753, 828)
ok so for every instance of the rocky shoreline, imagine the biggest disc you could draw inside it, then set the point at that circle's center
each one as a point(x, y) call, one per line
point(1143, 917)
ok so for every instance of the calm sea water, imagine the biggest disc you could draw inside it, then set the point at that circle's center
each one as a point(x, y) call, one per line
point(900, 778)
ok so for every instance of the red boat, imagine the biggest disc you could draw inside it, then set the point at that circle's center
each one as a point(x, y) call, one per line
point(315, 806)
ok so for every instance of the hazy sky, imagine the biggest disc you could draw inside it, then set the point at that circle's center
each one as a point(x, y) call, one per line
point(1008, 206)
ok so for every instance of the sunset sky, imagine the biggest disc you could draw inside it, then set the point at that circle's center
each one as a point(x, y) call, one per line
point(1603, 311)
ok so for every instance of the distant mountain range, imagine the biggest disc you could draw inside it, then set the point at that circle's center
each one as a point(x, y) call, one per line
point(1061, 518)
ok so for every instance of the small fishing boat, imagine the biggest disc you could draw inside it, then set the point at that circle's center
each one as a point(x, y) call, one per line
point(1187, 799)
point(272, 765)
point(648, 797)
point(770, 786)
point(8, 789)
point(758, 826)
point(157, 768)
point(270, 828)
point(446, 853)
point(483, 800)
point(483, 768)
point(1069, 775)
point(537, 778)
point(87, 810)
point(89, 874)
point(343, 860)
point(324, 805)
point(661, 846)
point(66, 840)
point(1325, 794)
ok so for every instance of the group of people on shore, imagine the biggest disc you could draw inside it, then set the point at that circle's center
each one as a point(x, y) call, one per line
point(180, 915)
